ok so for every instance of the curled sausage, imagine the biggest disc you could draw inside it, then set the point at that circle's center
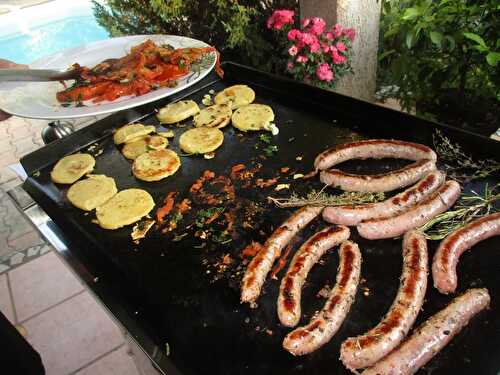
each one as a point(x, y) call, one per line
point(261, 264)
point(363, 351)
point(378, 182)
point(432, 336)
point(305, 258)
point(444, 264)
point(321, 329)
point(373, 148)
point(354, 214)
point(414, 217)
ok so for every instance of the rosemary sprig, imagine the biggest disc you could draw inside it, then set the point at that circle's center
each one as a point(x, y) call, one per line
point(458, 165)
point(320, 198)
point(468, 208)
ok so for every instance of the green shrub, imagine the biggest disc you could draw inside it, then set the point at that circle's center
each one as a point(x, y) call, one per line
point(431, 49)
point(236, 27)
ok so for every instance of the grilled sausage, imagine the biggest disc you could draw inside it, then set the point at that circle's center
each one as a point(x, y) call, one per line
point(414, 217)
point(444, 264)
point(308, 254)
point(261, 264)
point(354, 214)
point(373, 148)
point(365, 350)
point(321, 329)
point(432, 336)
point(378, 182)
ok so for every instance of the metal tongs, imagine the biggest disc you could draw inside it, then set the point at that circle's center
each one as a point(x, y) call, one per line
point(37, 75)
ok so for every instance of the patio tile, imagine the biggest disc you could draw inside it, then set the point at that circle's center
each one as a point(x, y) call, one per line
point(119, 362)
point(40, 284)
point(5, 300)
point(72, 334)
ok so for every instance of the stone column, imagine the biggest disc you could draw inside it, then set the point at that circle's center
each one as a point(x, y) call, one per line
point(363, 16)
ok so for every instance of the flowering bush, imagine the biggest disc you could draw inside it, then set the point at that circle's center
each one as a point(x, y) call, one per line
point(315, 54)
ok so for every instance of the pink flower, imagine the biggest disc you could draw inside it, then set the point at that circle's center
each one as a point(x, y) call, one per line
point(293, 50)
point(329, 35)
point(337, 59)
point(308, 39)
point(280, 18)
point(318, 26)
point(325, 47)
point(301, 59)
point(293, 34)
point(340, 46)
point(305, 22)
point(324, 73)
point(350, 33)
point(336, 30)
point(289, 66)
point(315, 46)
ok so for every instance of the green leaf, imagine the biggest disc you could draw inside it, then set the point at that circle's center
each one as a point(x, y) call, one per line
point(493, 58)
point(384, 54)
point(451, 41)
point(476, 38)
point(411, 13)
point(436, 38)
point(410, 39)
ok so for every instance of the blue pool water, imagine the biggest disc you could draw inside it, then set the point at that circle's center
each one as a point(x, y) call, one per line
point(50, 38)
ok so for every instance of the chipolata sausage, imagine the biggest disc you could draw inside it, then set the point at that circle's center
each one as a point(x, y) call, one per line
point(261, 264)
point(365, 350)
point(309, 253)
point(444, 264)
point(321, 328)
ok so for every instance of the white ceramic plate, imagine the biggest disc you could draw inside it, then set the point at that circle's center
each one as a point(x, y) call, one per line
point(38, 99)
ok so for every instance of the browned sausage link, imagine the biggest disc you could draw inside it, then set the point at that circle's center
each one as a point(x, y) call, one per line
point(308, 254)
point(261, 264)
point(363, 351)
point(378, 182)
point(373, 148)
point(444, 264)
point(354, 214)
point(321, 329)
point(432, 336)
point(414, 217)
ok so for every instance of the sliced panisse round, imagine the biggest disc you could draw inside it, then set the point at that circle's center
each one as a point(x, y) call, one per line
point(126, 207)
point(134, 149)
point(215, 116)
point(252, 117)
point(237, 96)
point(127, 133)
point(178, 111)
point(92, 192)
point(156, 165)
point(201, 140)
point(72, 167)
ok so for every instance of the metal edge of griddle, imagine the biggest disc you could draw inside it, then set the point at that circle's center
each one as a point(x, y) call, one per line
point(90, 134)
point(388, 122)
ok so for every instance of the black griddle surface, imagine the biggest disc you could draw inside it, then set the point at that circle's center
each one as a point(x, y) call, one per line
point(207, 330)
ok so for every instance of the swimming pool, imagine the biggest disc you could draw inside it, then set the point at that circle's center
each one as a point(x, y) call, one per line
point(42, 30)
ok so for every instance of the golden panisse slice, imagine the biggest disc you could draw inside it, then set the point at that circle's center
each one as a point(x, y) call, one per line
point(237, 96)
point(215, 116)
point(126, 207)
point(92, 192)
point(134, 149)
point(252, 117)
point(71, 168)
point(155, 165)
point(129, 132)
point(201, 140)
point(176, 112)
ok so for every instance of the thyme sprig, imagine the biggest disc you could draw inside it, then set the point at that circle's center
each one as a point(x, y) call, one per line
point(468, 208)
point(320, 198)
point(458, 165)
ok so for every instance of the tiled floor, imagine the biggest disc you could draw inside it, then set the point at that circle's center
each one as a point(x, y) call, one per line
point(38, 292)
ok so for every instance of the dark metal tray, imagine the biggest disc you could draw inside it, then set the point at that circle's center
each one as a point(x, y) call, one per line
point(162, 289)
